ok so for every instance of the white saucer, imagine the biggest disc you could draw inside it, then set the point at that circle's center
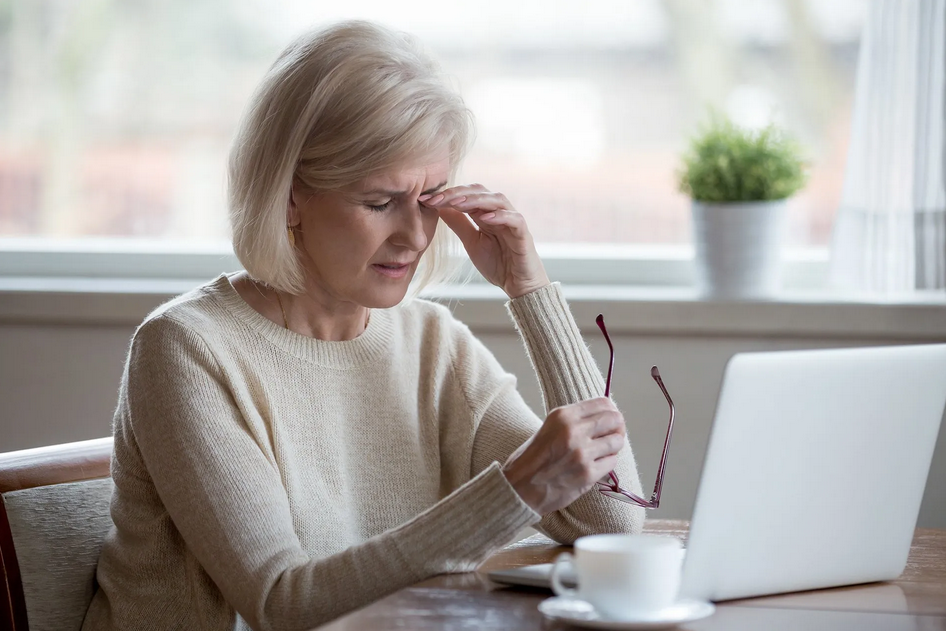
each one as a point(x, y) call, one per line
point(582, 614)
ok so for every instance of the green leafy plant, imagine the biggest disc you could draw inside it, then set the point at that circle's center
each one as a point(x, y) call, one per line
point(726, 163)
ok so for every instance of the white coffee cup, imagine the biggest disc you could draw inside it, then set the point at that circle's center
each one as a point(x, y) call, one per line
point(623, 576)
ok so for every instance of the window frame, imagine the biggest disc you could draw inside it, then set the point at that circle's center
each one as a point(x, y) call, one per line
point(645, 291)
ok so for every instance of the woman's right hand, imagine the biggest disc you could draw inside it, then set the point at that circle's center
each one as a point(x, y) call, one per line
point(575, 447)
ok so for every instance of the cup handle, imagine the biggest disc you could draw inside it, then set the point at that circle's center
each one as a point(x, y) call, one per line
point(557, 587)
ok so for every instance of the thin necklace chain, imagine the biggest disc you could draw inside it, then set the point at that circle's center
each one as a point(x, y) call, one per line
point(285, 320)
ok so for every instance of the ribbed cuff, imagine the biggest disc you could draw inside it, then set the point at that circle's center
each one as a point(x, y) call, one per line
point(471, 523)
point(566, 370)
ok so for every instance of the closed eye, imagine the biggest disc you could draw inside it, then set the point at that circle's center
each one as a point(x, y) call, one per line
point(392, 195)
point(380, 207)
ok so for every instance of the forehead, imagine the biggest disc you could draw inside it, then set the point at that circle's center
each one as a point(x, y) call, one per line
point(411, 172)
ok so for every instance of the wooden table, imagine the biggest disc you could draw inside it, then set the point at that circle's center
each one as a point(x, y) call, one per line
point(915, 602)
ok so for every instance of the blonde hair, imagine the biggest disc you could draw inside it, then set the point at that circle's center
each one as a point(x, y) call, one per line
point(337, 105)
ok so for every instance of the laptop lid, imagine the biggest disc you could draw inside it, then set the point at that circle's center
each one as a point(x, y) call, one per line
point(815, 469)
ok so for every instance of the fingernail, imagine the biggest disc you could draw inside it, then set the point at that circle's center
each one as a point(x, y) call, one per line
point(488, 216)
point(424, 198)
point(437, 199)
point(458, 201)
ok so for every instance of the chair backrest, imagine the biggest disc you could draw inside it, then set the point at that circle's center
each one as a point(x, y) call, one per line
point(54, 516)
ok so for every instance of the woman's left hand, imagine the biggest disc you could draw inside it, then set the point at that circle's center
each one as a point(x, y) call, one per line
point(498, 241)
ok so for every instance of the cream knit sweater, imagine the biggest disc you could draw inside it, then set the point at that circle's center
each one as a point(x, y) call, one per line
point(272, 478)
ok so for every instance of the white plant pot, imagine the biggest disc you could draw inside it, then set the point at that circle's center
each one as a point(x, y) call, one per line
point(738, 249)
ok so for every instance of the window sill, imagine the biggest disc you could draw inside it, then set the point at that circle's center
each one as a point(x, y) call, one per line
point(630, 309)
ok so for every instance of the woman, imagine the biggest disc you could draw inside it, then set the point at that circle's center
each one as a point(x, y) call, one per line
point(294, 441)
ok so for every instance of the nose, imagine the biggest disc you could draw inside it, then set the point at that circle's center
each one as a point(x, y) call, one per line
point(411, 230)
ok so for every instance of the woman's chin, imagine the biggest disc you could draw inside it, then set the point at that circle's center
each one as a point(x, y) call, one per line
point(387, 297)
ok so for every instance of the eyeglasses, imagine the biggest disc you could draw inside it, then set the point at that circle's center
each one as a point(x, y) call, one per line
point(613, 488)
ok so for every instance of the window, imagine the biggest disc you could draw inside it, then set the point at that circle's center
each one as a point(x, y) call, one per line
point(117, 116)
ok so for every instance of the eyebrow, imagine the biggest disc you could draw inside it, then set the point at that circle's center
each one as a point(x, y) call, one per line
point(378, 191)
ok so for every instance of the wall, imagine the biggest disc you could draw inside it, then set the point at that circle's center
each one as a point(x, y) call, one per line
point(59, 376)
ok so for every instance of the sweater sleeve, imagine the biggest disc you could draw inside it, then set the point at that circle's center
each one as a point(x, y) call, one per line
point(567, 374)
point(226, 499)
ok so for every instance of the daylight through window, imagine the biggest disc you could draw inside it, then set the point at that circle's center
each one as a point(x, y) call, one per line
point(117, 115)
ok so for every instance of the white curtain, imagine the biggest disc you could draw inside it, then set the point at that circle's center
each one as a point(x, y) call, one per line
point(890, 235)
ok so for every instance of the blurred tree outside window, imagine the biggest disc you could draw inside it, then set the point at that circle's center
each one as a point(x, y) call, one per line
point(116, 115)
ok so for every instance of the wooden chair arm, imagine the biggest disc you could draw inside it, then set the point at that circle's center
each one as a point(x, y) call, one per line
point(56, 464)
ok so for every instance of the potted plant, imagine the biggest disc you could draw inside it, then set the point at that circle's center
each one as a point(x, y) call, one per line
point(739, 181)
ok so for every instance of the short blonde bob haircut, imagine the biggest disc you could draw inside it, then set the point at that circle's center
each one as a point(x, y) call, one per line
point(338, 105)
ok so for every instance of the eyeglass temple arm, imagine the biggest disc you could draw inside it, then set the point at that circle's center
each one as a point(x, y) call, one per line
point(659, 482)
point(615, 485)
point(607, 383)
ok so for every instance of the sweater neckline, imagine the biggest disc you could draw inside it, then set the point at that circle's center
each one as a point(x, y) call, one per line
point(364, 349)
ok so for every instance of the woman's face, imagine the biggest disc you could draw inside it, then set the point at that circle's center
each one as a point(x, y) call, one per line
point(362, 244)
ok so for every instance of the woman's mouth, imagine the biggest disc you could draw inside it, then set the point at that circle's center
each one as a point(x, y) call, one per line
point(392, 270)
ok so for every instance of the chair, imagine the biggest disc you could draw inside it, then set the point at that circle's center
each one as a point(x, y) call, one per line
point(54, 516)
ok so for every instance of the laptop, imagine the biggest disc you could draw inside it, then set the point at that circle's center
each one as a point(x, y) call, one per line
point(814, 473)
